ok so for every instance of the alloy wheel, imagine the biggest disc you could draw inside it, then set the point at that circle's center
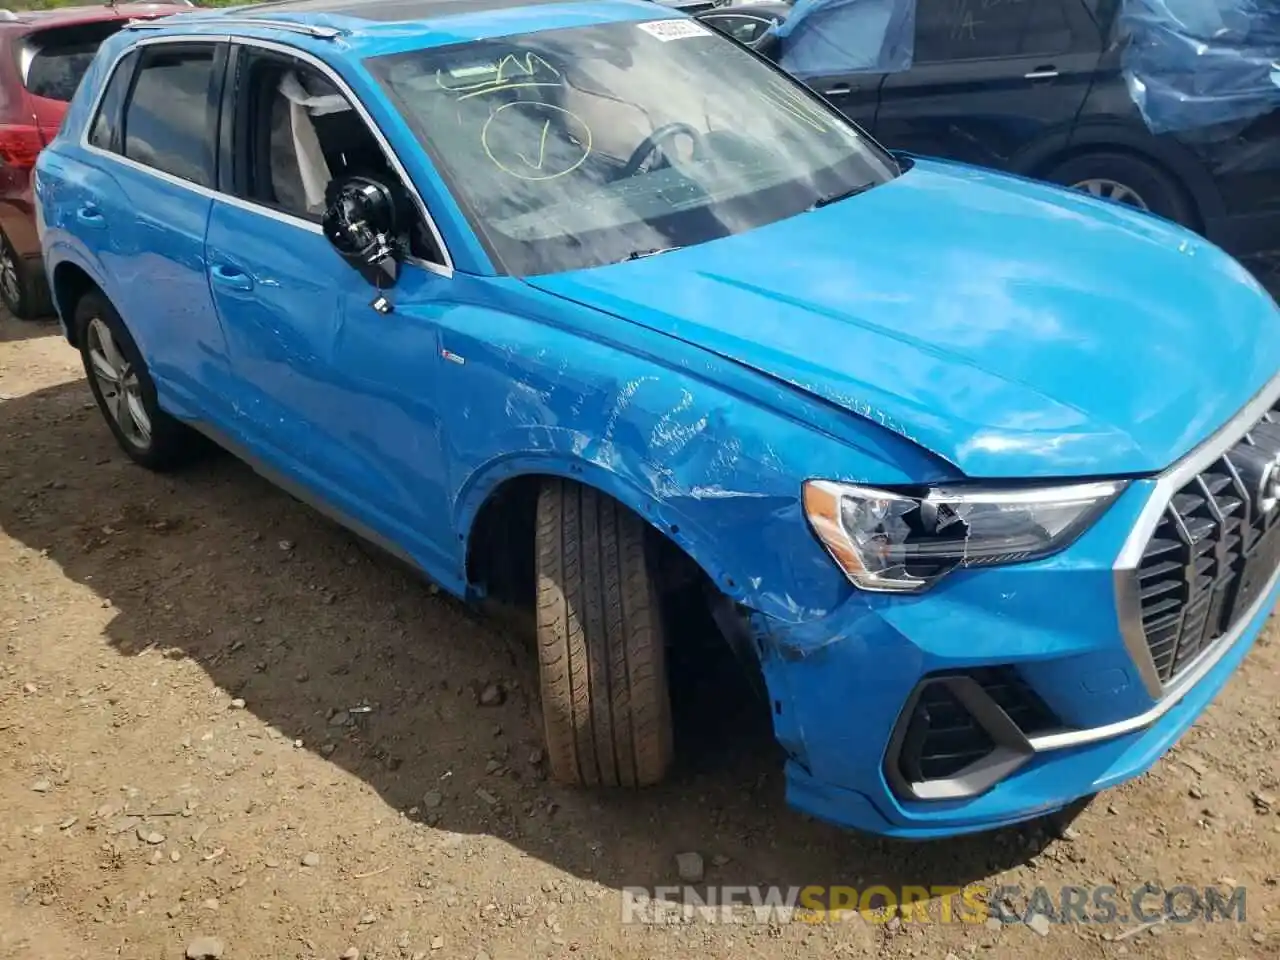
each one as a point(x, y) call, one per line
point(1112, 190)
point(119, 385)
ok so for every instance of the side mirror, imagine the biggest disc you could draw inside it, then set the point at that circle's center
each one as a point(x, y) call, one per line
point(360, 220)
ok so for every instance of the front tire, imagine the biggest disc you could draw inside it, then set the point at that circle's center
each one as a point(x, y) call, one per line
point(1127, 180)
point(124, 390)
point(601, 645)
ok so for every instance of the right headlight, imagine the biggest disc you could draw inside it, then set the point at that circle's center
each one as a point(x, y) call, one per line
point(896, 542)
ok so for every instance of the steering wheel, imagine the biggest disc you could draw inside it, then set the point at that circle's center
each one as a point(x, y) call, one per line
point(653, 144)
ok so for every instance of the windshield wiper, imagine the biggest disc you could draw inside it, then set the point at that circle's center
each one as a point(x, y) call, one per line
point(830, 198)
point(651, 251)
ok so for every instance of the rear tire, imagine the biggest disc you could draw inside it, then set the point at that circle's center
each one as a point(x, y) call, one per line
point(22, 288)
point(1138, 180)
point(601, 646)
point(125, 393)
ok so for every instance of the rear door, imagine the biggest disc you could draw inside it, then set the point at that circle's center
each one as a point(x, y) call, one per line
point(990, 78)
point(141, 204)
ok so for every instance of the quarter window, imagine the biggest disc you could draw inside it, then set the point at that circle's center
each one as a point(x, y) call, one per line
point(168, 123)
point(742, 28)
point(106, 125)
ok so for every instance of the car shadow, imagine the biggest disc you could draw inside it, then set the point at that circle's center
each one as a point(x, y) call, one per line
point(334, 644)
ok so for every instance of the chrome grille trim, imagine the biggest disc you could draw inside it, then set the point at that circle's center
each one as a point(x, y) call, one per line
point(1185, 502)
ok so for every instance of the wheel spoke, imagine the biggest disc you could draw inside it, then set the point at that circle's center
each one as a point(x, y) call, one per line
point(119, 386)
point(112, 399)
point(102, 368)
point(109, 348)
point(138, 414)
point(1114, 191)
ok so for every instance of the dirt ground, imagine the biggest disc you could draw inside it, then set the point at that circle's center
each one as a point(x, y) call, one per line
point(221, 716)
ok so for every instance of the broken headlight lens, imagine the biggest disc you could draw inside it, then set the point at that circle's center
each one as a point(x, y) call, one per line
point(896, 542)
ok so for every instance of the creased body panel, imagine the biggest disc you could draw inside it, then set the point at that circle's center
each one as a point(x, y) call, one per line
point(1014, 329)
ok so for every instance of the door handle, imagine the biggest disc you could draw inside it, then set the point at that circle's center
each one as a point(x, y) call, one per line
point(91, 216)
point(1043, 73)
point(232, 277)
point(839, 90)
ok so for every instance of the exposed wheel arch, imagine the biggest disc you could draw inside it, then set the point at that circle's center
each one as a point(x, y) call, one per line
point(506, 519)
point(514, 482)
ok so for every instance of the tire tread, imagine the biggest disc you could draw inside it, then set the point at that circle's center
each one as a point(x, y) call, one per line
point(606, 709)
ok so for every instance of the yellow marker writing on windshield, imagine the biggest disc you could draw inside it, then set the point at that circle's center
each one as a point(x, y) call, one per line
point(515, 124)
point(542, 148)
point(512, 70)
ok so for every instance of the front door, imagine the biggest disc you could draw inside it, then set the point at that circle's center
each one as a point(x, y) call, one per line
point(338, 392)
point(990, 78)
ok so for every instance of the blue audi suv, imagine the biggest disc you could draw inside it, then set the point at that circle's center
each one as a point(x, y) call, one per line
point(584, 306)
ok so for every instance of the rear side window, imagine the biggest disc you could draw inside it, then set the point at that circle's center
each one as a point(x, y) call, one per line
point(170, 117)
point(54, 61)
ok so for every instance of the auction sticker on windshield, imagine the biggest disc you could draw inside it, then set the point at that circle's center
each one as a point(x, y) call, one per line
point(666, 30)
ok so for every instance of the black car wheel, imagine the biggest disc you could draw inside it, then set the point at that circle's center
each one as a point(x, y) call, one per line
point(601, 645)
point(1129, 180)
point(124, 390)
point(24, 293)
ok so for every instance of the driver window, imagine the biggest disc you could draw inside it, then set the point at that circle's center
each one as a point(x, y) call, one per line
point(297, 133)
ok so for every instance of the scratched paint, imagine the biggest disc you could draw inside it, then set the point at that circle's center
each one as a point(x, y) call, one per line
point(703, 386)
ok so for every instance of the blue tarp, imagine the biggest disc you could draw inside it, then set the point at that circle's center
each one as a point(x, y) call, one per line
point(1201, 64)
point(825, 37)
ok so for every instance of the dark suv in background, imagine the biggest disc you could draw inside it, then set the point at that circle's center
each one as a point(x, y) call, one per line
point(43, 55)
point(1036, 88)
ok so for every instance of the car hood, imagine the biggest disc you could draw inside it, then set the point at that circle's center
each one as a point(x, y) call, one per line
point(1013, 328)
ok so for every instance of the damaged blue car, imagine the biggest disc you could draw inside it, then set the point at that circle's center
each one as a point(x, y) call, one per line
point(583, 306)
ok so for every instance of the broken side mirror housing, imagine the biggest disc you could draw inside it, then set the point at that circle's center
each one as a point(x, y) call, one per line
point(361, 221)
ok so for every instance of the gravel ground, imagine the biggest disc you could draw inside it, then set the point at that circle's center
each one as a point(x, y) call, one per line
point(223, 717)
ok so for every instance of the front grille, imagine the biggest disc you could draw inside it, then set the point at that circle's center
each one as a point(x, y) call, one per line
point(1213, 551)
point(943, 737)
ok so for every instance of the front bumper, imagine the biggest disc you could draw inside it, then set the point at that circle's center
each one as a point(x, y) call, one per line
point(1069, 629)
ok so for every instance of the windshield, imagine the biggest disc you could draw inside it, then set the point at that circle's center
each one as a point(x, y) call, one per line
point(588, 145)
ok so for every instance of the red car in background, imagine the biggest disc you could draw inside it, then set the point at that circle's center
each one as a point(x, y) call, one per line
point(43, 55)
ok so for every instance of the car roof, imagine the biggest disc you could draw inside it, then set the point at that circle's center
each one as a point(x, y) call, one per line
point(373, 27)
point(25, 20)
point(383, 11)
